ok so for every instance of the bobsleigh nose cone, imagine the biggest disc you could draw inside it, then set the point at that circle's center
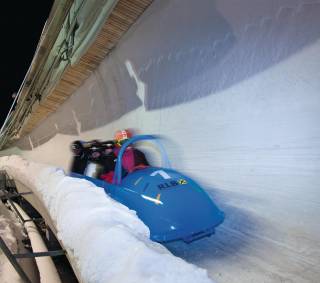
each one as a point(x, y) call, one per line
point(188, 230)
point(173, 206)
point(186, 212)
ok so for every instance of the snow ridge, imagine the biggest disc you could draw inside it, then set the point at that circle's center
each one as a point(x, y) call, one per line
point(108, 241)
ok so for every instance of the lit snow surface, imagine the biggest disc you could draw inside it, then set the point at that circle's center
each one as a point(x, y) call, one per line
point(234, 87)
point(107, 239)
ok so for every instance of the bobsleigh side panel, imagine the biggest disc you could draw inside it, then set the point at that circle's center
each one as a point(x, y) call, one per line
point(172, 205)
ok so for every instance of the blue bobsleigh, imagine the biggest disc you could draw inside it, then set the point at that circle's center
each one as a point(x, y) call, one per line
point(173, 206)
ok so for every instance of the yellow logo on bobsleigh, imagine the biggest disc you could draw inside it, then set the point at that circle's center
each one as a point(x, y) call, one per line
point(182, 182)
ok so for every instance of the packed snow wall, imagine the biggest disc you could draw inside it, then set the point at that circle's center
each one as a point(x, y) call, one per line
point(233, 86)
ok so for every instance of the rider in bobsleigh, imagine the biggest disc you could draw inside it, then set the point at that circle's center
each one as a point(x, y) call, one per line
point(132, 159)
point(105, 154)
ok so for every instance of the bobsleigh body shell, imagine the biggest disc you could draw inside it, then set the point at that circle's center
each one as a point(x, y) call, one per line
point(172, 205)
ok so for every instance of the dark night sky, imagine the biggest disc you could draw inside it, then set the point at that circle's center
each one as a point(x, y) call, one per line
point(21, 24)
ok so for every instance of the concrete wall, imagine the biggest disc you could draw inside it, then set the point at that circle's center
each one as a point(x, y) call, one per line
point(233, 86)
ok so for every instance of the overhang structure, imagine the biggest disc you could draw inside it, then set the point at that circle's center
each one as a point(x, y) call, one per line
point(77, 36)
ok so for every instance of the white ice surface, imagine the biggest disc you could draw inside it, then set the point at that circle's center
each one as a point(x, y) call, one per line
point(107, 239)
point(234, 88)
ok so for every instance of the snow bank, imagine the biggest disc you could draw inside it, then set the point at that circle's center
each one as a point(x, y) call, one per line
point(108, 241)
point(7, 272)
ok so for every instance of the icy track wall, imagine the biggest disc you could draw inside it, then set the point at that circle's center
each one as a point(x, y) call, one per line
point(234, 87)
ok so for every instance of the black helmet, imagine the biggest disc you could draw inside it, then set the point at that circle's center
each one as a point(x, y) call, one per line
point(77, 148)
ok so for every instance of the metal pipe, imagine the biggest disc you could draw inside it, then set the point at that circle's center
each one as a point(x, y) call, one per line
point(47, 270)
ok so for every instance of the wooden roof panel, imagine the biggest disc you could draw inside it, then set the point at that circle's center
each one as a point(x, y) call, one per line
point(125, 13)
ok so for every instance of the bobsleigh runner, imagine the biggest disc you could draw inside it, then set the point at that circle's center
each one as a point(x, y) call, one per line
point(172, 205)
